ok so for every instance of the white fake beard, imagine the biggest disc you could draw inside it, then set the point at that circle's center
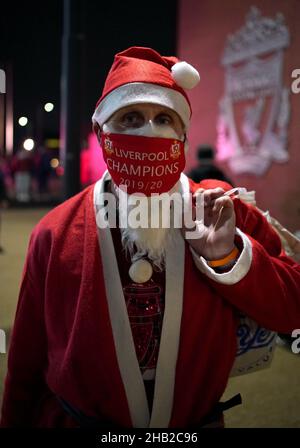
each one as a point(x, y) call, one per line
point(146, 242)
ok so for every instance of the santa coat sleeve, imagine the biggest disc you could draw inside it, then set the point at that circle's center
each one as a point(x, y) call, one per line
point(27, 356)
point(265, 283)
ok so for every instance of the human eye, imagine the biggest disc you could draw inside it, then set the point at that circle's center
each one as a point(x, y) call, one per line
point(164, 119)
point(132, 119)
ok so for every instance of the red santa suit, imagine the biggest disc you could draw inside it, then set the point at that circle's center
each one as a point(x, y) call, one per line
point(72, 337)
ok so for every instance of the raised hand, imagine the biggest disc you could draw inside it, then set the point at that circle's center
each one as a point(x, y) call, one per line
point(216, 234)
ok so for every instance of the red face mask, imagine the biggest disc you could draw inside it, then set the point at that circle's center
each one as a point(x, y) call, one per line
point(143, 164)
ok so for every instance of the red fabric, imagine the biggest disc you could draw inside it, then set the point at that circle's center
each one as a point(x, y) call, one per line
point(22, 165)
point(139, 64)
point(62, 339)
point(154, 169)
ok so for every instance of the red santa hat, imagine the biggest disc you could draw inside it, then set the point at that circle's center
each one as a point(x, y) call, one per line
point(141, 75)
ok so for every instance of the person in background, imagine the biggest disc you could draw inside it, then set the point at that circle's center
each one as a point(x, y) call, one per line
point(3, 196)
point(22, 167)
point(206, 168)
point(43, 171)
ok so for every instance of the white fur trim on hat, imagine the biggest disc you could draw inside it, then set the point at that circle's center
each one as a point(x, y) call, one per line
point(185, 75)
point(137, 93)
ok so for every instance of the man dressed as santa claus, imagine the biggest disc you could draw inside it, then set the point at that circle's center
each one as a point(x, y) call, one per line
point(125, 325)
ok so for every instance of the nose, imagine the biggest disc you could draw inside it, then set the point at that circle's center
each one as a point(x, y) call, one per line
point(153, 126)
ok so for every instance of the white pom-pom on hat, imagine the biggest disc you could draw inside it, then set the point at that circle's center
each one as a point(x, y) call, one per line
point(185, 75)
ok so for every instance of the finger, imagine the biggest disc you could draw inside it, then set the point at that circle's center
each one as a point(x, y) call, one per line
point(222, 202)
point(224, 212)
point(210, 195)
point(199, 191)
point(212, 208)
point(214, 192)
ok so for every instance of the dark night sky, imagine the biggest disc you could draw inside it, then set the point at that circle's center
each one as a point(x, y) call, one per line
point(31, 33)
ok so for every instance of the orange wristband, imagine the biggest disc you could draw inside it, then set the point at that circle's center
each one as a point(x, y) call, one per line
point(223, 261)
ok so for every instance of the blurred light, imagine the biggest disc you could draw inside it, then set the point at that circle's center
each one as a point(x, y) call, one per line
point(9, 133)
point(49, 107)
point(28, 144)
point(23, 121)
point(54, 163)
point(60, 171)
point(52, 143)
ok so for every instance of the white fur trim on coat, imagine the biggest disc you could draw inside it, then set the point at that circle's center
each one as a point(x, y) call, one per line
point(238, 271)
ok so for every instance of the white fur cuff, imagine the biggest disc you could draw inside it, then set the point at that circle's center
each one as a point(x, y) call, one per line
point(238, 271)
